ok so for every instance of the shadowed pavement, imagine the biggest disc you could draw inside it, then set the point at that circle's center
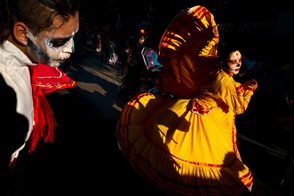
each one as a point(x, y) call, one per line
point(85, 159)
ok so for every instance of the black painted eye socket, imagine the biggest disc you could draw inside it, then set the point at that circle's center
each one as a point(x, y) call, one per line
point(239, 61)
point(59, 42)
point(233, 61)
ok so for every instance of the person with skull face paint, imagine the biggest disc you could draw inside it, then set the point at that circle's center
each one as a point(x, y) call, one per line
point(183, 138)
point(36, 36)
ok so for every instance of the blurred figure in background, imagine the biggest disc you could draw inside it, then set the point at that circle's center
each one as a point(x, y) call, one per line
point(123, 54)
point(135, 66)
point(105, 48)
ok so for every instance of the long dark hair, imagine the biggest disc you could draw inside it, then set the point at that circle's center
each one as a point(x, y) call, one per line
point(36, 14)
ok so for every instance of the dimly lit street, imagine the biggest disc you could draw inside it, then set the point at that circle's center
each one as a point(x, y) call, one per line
point(224, 63)
point(85, 159)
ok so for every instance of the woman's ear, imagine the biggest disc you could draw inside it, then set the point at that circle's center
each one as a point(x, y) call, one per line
point(20, 33)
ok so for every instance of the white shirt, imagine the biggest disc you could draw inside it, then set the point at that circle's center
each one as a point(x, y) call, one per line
point(14, 69)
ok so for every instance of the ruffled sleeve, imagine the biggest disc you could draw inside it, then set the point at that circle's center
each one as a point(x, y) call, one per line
point(233, 94)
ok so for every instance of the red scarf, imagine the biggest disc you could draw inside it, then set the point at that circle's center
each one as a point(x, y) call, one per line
point(43, 117)
point(45, 79)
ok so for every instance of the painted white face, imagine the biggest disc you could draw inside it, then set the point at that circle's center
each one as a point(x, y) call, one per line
point(55, 46)
point(53, 51)
point(234, 62)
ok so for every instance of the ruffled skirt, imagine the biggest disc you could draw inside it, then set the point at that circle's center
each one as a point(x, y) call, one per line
point(181, 152)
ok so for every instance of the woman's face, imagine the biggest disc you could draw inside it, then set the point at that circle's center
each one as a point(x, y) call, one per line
point(55, 46)
point(141, 40)
point(234, 62)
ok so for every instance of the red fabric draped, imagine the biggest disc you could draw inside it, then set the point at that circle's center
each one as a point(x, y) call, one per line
point(44, 80)
point(43, 116)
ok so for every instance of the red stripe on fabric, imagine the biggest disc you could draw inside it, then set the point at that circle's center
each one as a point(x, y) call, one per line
point(234, 141)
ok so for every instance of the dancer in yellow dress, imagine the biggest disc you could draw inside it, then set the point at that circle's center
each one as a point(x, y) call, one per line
point(183, 138)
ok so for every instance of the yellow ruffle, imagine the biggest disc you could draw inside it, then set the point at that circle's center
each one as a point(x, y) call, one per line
point(168, 144)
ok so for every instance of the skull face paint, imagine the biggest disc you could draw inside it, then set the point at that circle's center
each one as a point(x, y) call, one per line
point(234, 62)
point(52, 51)
point(55, 46)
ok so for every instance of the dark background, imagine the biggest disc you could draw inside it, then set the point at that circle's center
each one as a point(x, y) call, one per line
point(260, 26)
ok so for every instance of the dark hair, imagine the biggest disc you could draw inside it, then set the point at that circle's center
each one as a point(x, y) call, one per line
point(225, 49)
point(38, 15)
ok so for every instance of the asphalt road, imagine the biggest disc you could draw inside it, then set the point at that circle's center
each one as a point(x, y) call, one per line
point(85, 159)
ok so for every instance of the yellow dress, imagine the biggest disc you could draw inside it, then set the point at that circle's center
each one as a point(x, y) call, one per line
point(186, 144)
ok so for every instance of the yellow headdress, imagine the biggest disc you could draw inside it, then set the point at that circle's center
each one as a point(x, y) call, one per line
point(187, 51)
